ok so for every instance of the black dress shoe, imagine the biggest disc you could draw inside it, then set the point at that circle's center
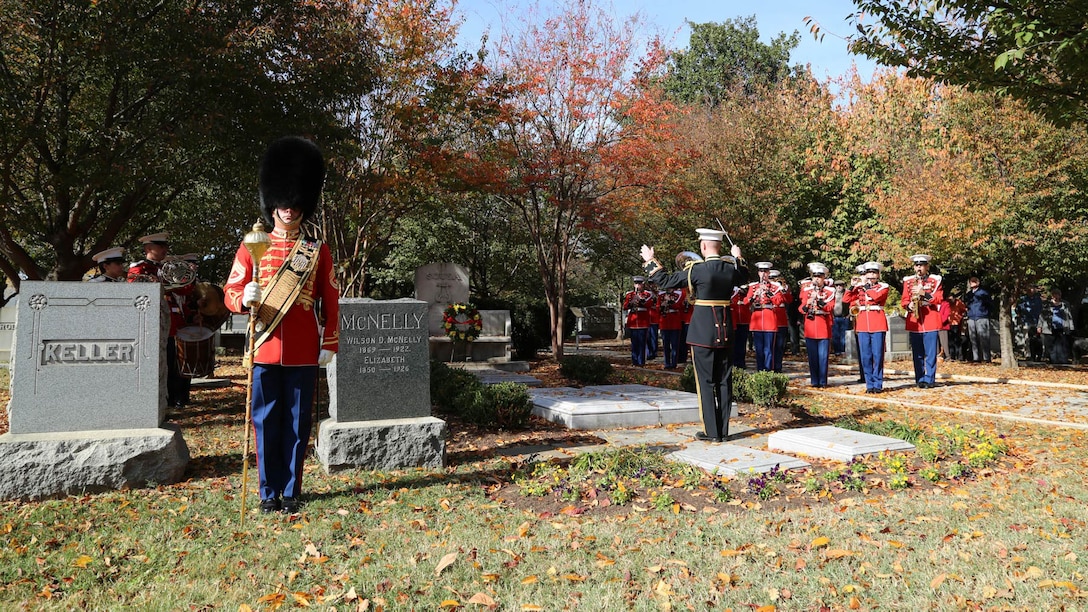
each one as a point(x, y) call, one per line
point(270, 505)
point(291, 505)
point(702, 437)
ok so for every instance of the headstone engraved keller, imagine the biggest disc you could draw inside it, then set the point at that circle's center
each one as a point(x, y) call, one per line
point(88, 392)
point(379, 390)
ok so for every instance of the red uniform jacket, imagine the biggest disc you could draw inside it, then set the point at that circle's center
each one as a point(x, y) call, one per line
point(957, 313)
point(869, 300)
point(672, 307)
point(296, 341)
point(742, 312)
point(638, 307)
point(782, 318)
point(655, 313)
point(764, 300)
point(818, 318)
point(928, 319)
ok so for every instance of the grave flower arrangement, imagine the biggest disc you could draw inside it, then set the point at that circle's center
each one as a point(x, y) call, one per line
point(462, 322)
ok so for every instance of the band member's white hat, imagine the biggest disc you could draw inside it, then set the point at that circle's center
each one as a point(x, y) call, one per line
point(638, 279)
point(159, 238)
point(764, 265)
point(710, 234)
point(920, 258)
point(110, 254)
point(818, 269)
point(875, 266)
point(774, 274)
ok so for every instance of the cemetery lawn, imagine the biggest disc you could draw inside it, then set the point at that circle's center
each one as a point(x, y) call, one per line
point(1010, 535)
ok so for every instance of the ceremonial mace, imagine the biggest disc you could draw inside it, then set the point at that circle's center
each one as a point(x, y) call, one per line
point(256, 242)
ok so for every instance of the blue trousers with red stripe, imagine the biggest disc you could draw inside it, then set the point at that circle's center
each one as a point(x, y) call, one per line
point(283, 398)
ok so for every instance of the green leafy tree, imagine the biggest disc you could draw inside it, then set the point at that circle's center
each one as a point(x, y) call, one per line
point(409, 136)
point(721, 57)
point(1034, 50)
point(122, 117)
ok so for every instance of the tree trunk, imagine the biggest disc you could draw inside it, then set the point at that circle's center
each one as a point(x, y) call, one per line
point(1006, 301)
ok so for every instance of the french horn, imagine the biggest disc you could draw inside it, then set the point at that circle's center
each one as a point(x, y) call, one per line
point(683, 258)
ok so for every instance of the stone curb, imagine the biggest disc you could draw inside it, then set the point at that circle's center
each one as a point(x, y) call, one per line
point(995, 415)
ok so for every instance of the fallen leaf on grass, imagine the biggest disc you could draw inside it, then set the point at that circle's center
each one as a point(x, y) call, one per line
point(445, 562)
point(820, 541)
point(1065, 584)
point(482, 599)
point(82, 561)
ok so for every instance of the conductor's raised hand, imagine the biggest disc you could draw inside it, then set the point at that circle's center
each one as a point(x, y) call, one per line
point(735, 251)
point(647, 253)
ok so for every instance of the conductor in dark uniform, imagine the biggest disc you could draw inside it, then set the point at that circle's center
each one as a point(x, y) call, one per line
point(710, 283)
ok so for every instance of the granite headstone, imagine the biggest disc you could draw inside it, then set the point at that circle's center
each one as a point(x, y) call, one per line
point(439, 285)
point(379, 390)
point(7, 331)
point(76, 346)
point(88, 392)
point(598, 322)
point(383, 369)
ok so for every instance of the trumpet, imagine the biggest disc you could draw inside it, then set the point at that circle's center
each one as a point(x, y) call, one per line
point(810, 306)
point(669, 301)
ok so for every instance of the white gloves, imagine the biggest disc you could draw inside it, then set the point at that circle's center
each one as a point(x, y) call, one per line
point(647, 253)
point(251, 295)
point(325, 357)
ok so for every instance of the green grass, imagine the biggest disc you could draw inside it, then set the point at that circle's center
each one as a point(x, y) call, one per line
point(1014, 538)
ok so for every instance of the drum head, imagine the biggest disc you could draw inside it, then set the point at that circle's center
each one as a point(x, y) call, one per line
point(195, 333)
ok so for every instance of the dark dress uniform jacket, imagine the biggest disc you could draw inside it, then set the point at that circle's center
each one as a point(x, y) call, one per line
point(711, 280)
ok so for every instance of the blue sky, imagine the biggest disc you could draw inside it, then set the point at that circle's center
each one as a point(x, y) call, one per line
point(828, 58)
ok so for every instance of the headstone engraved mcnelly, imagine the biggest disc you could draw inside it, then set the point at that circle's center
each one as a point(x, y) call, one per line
point(379, 389)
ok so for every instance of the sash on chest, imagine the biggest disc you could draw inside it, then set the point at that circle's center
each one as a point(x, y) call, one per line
point(285, 286)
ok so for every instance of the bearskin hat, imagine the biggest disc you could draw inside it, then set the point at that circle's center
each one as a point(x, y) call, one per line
point(292, 172)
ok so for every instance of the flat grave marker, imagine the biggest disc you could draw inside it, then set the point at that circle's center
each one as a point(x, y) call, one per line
point(828, 442)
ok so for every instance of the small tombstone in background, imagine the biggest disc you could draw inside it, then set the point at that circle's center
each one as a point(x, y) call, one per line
point(439, 285)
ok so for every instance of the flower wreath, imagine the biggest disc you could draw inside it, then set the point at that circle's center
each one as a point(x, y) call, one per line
point(462, 322)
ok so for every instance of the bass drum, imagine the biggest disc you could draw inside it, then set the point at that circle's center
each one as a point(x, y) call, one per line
point(196, 351)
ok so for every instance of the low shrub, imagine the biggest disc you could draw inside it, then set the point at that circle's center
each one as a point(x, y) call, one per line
point(586, 369)
point(447, 384)
point(759, 388)
point(687, 379)
point(500, 406)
